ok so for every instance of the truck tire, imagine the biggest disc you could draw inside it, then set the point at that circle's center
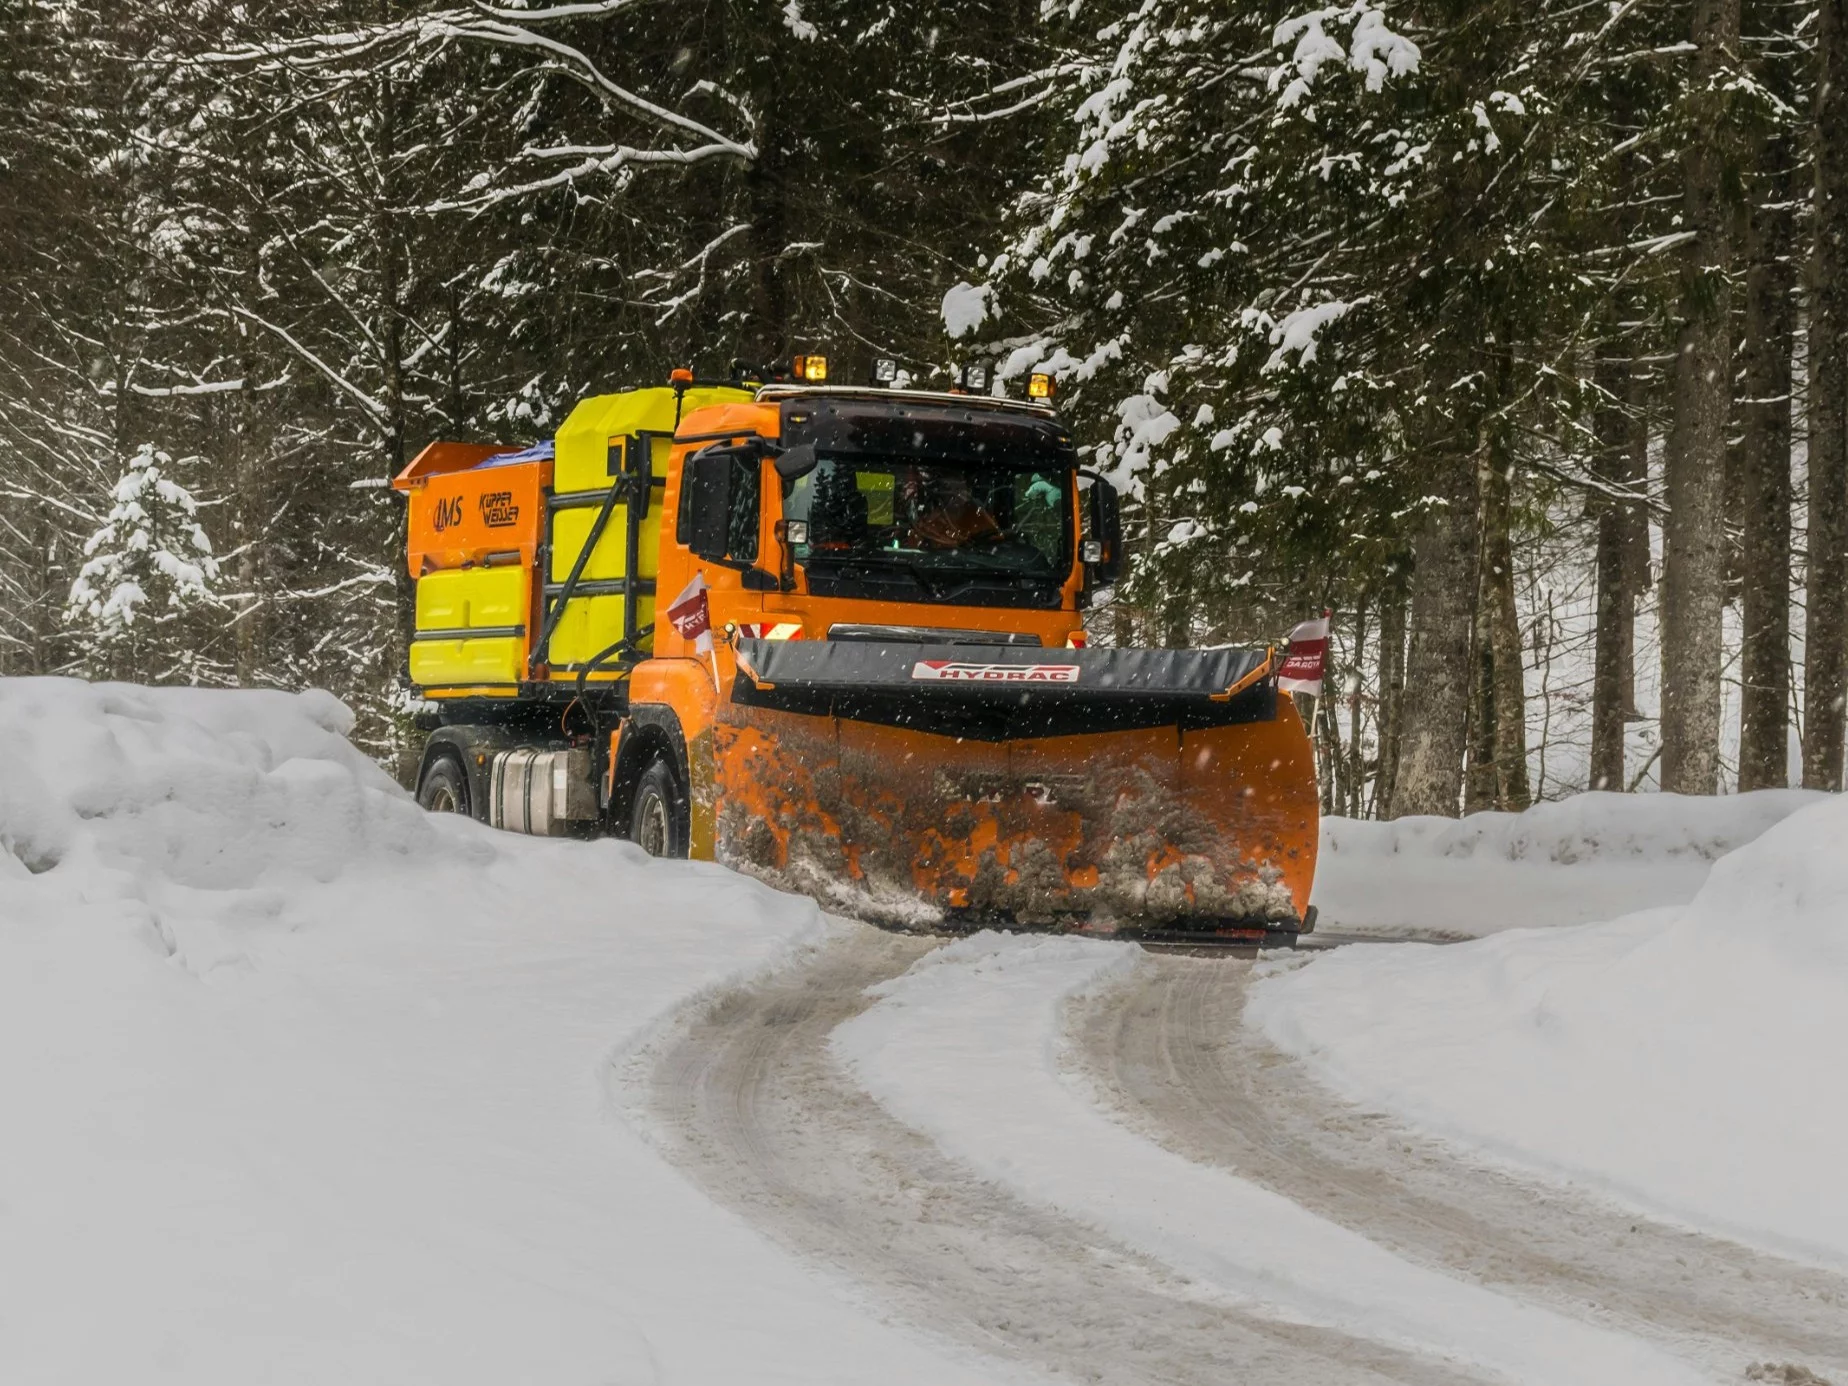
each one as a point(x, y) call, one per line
point(444, 787)
point(658, 822)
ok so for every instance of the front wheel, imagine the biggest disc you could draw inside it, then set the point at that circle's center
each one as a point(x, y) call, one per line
point(444, 787)
point(658, 822)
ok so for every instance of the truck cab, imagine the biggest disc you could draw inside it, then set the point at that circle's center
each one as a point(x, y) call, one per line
point(840, 514)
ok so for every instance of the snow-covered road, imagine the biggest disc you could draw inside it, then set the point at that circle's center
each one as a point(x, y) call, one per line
point(1167, 1051)
point(750, 1100)
point(1141, 1201)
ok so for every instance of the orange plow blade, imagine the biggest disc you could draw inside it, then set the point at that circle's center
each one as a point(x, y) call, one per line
point(931, 786)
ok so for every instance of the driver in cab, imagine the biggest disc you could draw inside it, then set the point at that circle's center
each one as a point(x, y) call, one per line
point(945, 513)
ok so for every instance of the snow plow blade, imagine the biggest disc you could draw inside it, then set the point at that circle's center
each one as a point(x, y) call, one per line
point(963, 785)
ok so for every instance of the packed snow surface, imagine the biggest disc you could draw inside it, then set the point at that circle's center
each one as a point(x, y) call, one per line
point(1590, 857)
point(966, 1046)
point(1687, 1060)
point(303, 1085)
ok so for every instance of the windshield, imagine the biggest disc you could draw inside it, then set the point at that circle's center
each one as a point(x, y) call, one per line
point(922, 522)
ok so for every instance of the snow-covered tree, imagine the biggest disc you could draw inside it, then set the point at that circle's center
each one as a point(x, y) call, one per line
point(148, 573)
point(1367, 304)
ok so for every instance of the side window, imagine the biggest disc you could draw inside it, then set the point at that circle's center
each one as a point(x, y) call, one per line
point(845, 505)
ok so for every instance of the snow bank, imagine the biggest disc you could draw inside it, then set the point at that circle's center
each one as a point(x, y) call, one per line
point(1494, 871)
point(303, 1085)
point(966, 1047)
point(1686, 1060)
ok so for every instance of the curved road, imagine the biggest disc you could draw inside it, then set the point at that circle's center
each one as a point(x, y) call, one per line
point(745, 1098)
point(1169, 1051)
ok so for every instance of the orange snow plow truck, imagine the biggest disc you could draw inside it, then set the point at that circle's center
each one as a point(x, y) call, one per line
point(833, 637)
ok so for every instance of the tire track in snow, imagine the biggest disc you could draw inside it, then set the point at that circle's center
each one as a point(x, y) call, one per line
point(968, 1046)
point(1167, 1049)
point(747, 1100)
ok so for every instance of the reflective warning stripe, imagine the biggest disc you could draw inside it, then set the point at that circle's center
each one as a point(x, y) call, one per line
point(771, 630)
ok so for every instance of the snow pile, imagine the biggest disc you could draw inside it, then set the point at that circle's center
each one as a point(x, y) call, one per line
point(303, 1085)
point(1686, 1060)
point(1495, 871)
point(966, 1046)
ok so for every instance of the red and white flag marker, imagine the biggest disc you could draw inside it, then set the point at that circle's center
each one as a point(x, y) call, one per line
point(1304, 660)
point(691, 615)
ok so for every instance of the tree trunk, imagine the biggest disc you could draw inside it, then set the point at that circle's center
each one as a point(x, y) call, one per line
point(1638, 558)
point(1437, 673)
point(52, 582)
point(1623, 565)
point(1479, 776)
point(252, 490)
point(1693, 536)
point(1356, 768)
point(1392, 692)
point(1825, 671)
point(768, 194)
point(1507, 671)
point(1764, 480)
point(1328, 753)
point(1614, 632)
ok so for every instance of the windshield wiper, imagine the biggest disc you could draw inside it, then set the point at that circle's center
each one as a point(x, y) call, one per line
point(956, 582)
point(871, 567)
point(989, 582)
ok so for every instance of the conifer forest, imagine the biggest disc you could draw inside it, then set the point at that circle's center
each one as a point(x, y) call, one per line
point(1514, 333)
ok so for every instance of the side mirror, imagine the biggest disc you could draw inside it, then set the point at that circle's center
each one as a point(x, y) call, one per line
point(789, 535)
point(707, 505)
point(1106, 532)
point(797, 461)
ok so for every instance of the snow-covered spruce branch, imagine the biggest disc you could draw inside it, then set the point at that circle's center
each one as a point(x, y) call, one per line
point(1596, 485)
point(442, 27)
point(378, 411)
point(594, 9)
point(618, 158)
point(666, 308)
point(980, 117)
point(252, 603)
point(588, 72)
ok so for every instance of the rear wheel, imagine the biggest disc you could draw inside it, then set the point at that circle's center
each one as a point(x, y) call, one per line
point(658, 823)
point(444, 787)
